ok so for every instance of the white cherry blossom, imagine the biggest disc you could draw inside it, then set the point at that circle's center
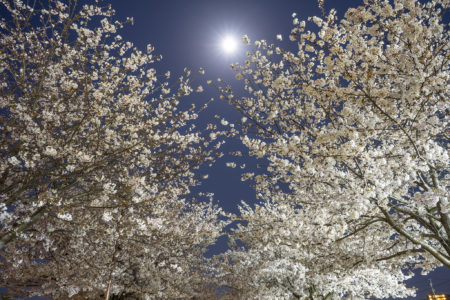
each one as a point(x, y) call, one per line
point(96, 162)
point(353, 128)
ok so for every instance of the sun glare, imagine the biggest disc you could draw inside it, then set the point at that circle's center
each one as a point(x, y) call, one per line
point(229, 44)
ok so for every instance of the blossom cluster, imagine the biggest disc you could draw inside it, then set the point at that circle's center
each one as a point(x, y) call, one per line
point(353, 128)
point(96, 161)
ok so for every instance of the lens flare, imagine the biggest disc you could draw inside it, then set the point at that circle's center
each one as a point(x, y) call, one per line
point(229, 44)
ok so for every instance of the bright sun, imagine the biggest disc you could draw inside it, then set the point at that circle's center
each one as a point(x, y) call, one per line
point(229, 44)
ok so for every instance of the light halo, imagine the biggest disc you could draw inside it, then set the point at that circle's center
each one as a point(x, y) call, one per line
point(229, 44)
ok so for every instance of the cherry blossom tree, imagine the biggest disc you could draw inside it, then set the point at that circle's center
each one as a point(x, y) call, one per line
point(96, 161)
point(155, 252)
point(353, 125)
point(285, 258)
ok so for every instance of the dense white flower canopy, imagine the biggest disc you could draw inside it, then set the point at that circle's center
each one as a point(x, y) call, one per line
point(97, 160)
point(354, 126)
point(100, 156)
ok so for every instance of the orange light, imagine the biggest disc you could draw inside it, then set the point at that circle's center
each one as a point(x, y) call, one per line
point(438, 297)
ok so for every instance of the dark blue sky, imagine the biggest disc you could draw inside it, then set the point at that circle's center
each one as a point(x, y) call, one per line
point(188, 34)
